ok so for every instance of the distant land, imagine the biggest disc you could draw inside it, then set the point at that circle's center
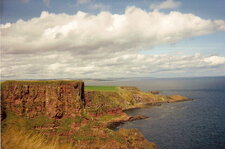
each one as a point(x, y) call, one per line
point(123, 78)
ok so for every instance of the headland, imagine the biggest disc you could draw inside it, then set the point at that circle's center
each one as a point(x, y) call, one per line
point(68, 114)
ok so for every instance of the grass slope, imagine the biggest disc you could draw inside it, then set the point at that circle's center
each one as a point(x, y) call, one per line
point(86, 130)
point(101, 88)
point(19, 132)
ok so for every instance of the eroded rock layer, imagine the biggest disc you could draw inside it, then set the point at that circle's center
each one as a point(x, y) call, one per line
point(55, 99)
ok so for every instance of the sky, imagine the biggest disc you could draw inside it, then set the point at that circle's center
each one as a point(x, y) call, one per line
point(55, 39)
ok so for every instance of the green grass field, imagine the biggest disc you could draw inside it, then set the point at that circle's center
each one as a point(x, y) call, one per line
point(101, 88)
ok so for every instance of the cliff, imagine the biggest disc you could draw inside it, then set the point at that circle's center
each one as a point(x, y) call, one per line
point(55, 99)
point(101, 102)
point(62, 109)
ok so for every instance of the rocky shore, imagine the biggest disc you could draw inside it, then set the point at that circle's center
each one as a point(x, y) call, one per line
point(85, 119)
point(125, 118)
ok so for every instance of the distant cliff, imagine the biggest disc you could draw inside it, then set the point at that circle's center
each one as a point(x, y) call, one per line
point(55, 99)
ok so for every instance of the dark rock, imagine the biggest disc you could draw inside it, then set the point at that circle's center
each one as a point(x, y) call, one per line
point(3, 115)
point(154, 92)
point(115, 124)
point(137, 117)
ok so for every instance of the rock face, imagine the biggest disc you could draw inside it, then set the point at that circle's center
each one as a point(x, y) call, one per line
point(55, 99)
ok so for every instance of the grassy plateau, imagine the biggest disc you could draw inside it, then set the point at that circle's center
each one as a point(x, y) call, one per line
point(101, 88)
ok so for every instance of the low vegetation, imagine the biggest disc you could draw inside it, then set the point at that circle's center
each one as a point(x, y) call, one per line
point(88, 128)
point(23, 133)
point(13, 138)
point(39, 82)
point(101, 88)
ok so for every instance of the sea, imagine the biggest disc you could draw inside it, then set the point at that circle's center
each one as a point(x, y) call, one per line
point(196, 124)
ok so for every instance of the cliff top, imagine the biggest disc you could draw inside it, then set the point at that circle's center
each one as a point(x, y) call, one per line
point(39, 81)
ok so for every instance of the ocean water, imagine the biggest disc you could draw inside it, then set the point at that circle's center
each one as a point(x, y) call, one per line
point(197, 124)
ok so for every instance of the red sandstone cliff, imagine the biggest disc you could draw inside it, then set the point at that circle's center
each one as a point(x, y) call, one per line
point(55, 99)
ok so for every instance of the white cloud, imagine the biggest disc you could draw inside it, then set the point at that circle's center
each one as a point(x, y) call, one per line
point(86, 45)
point(215, 60)
point(104, 32)
point(65, 65)
point(168, 4)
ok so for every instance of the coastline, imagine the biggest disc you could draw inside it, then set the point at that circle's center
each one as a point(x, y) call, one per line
point(95, 115)
point(126, 118)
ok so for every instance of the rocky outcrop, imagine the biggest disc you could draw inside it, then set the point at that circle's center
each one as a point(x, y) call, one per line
point(113, 124)
point(154, 92)
point(99, 103)
point(55, 99)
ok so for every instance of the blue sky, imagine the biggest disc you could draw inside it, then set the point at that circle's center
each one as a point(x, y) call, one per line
point(17, 9)
point(204, 45)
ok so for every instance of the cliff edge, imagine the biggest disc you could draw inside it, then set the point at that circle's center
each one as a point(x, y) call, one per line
point(55, 99)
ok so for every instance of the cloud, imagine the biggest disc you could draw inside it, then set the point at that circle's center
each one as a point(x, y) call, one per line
point(168, 4)
point(87, 45)
point(65, 65)
point(46, 2)
point(98, 6)
point(92, 5)
point(83, 1)
point(105, 32)
point(215, 60)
